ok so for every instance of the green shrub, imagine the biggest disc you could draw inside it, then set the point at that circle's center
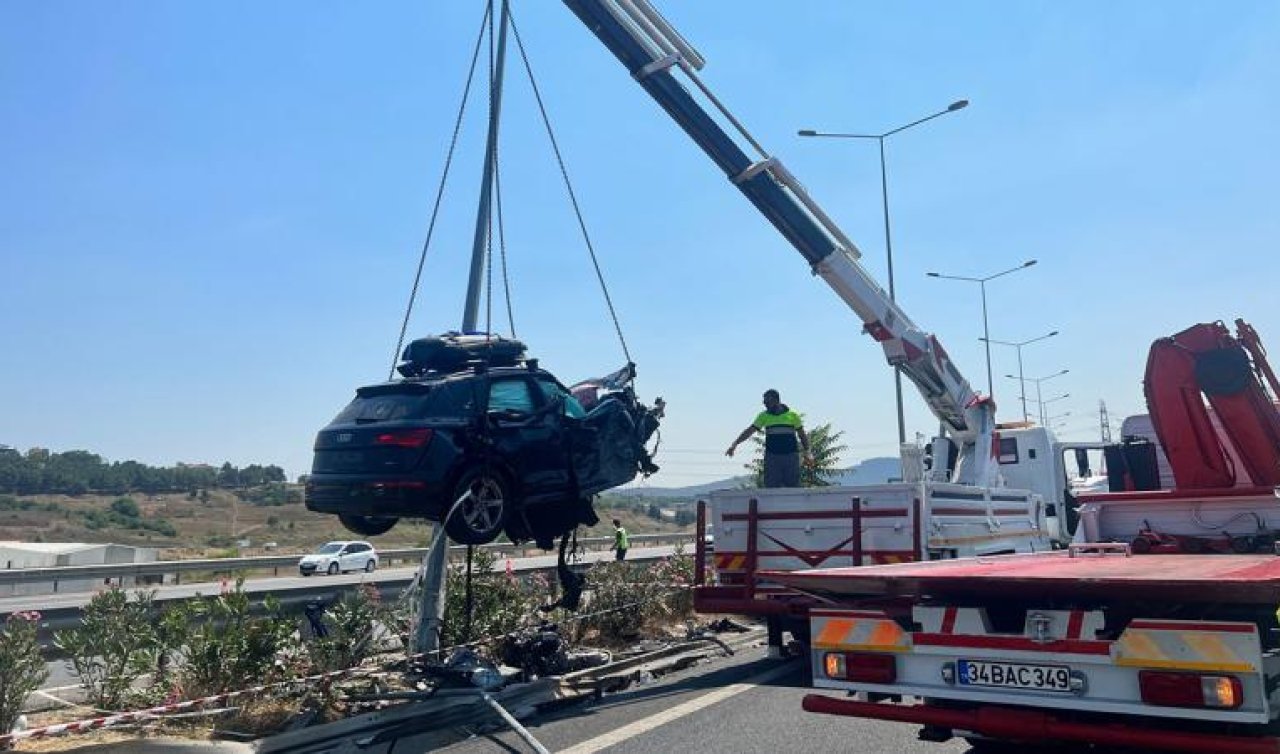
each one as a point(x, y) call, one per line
point(22, 670)
point(114, 645)
point(623, 597)
point(501, 602)
point(349, 625)
point(229, 648)
point(125, 506)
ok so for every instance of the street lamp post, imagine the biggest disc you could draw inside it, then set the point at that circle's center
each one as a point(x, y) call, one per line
point(1038, 381)
point(1044, 407)
point(888, 240)
point(1018, 344)
point(986, 333)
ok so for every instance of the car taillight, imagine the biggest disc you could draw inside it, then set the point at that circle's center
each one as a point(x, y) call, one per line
point(868, 668)
point(408, 438)
point(1190, 690)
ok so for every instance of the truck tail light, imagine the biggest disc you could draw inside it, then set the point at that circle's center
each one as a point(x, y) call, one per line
point(1190, 690)
point(864, 667)
point(406, 438)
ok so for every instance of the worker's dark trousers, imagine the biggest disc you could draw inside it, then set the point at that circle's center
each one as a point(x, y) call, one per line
point(782, 469)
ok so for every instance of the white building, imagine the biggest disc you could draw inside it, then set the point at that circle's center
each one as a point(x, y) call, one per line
point(21, 555)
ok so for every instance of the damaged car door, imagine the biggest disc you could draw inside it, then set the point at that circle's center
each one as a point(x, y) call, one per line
point(527, 432)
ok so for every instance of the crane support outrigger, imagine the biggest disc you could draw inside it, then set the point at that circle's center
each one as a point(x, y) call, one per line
point(654, 53)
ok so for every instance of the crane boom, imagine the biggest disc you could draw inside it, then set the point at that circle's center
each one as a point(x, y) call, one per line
point(653, 51)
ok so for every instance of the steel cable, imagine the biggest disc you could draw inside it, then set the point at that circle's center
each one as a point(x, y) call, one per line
point(444, 177)
point(568, 184)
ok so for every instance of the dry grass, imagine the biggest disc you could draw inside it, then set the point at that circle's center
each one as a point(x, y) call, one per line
point(258, 718)
point(69, 743)
point(203, 528)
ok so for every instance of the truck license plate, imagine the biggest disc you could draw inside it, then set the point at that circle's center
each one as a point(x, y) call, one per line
point(1012, 675)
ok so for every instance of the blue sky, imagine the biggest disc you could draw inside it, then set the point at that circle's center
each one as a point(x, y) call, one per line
point(211, 212)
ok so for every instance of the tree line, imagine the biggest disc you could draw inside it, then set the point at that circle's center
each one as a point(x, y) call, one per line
point(78, 472)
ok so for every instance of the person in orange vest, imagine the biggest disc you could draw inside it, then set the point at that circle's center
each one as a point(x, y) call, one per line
point(784, 441)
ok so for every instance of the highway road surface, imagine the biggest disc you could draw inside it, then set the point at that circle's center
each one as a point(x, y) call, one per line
point(743, 704)
point(392, 578)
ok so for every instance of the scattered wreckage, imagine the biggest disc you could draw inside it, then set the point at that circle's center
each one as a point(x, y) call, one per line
point(467, 693)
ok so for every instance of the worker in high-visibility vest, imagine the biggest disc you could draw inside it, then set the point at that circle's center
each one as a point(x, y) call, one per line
point(621, 542)
point(784, 441)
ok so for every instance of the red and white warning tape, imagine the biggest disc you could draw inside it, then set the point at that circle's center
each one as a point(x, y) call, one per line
point(124, 718)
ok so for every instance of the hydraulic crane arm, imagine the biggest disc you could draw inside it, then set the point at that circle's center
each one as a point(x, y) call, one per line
point(653, 52)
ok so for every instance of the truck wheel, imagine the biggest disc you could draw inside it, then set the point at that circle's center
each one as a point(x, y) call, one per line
point(1242, 545)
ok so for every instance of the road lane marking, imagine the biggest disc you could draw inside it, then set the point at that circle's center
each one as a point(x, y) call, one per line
point(592, 745)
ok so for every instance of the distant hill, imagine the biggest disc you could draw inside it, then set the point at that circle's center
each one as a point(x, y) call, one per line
point(215, 524)
point(870, 471)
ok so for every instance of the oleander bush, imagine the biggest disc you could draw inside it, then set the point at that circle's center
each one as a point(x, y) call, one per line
point(22, 669)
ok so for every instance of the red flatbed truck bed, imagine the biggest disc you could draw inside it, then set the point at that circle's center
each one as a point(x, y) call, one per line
point(1174, 652)
point(1246, 579)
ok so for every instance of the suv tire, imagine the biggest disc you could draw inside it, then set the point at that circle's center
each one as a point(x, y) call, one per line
point(367, 526)
point(333, 569)
point(480, 518)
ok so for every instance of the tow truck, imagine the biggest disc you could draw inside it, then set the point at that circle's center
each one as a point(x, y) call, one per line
point(1156, 628)
point(979, 489)
point(1177, 648)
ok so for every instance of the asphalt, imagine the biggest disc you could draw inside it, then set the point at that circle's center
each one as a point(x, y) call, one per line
point(744, 704)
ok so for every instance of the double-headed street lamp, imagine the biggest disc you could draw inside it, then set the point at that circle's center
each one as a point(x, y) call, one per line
point(888, 241)
point(1045, 419)
point(986, 333)
point(1018, 344)
point(1038, 381)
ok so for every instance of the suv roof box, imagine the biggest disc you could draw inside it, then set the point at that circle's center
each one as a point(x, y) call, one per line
point(452, 352)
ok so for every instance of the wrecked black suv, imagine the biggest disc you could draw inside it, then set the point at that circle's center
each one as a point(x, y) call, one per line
point(479, 436)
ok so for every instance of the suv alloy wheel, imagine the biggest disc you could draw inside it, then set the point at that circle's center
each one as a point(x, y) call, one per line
point(482, 498)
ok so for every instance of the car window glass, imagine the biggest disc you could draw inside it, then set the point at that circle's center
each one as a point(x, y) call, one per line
point(510, 394)
point(330, 548)
point(552, 391)
point(451, 399)
point(445, 400)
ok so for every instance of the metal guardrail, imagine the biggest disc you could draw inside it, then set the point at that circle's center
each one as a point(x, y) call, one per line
point(292, 598)
point(163, 568)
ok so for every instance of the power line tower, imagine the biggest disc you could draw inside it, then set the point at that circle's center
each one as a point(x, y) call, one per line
point(1104, 421)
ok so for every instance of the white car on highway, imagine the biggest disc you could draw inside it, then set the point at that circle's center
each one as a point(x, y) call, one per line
point(339, 557)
